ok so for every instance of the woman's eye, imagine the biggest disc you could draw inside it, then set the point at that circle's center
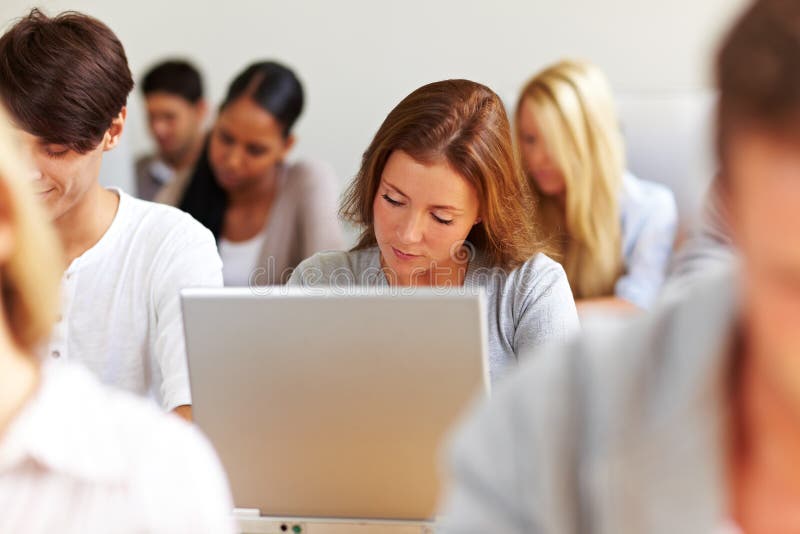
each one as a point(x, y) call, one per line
point(529, 139)
point(392, 201)
point(225, 138)
point(440, 220)
point(55, 153)
point(256, 151)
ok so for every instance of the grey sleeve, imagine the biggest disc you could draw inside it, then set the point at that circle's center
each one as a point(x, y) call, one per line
point(545, 309)
point(482, 488)
point(513, 464)
point(302, 272)
point(709, 247)
point(323, 269)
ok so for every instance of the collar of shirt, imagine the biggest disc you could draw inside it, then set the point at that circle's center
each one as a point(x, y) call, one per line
point(62, 428)
point(99, 249)
point(160, 171)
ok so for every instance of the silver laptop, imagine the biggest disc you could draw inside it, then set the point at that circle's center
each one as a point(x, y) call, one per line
point(333, 406)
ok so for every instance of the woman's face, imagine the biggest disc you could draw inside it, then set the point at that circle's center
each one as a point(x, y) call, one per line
point(535, 157)
point(422, 214)
point(246, 144)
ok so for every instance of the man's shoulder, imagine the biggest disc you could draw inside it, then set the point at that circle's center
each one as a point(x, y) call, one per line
point(147, 214)
point(145, 159)
point(163, 229)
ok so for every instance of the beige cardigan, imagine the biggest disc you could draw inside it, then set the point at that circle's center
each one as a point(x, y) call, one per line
point(303, 219)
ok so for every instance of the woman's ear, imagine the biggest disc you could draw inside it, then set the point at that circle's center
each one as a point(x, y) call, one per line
point(114, 131)
point(288, 144)
point(477, 221)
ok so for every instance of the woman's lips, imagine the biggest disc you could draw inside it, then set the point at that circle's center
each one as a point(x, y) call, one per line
point(404, 256)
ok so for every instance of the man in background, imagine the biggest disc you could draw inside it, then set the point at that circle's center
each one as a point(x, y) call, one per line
point(176, 112)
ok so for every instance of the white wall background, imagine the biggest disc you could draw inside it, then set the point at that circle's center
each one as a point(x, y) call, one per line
point(358, 58)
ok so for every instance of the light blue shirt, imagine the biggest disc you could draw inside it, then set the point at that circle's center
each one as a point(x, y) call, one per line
point(649, 219)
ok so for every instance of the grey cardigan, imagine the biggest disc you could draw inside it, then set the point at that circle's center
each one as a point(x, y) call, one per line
point(618, 432)
point(526, 307)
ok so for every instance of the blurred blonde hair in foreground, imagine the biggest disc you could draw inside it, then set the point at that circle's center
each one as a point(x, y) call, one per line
point(31, 275)
point(573, 104)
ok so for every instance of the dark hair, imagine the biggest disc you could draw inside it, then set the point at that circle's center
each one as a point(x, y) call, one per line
point(64, 78)
point(174, 77)
point(758, 72)
point(275, 89)
point(464, 124)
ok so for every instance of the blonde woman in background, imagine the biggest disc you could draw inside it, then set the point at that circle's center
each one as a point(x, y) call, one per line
point(615, 232)
point(76, 457)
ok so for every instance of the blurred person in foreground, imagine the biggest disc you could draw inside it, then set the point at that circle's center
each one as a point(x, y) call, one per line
point(75, 456)
point(686, 420)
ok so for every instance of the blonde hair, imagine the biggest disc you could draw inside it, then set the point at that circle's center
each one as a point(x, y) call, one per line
point(31, 276)
point(575, 112)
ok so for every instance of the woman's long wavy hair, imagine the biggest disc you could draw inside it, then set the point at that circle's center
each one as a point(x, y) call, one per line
point(574, 109)
point(464, 124)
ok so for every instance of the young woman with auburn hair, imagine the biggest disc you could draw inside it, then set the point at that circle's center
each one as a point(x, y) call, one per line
point(614, 231)
point(441, 201)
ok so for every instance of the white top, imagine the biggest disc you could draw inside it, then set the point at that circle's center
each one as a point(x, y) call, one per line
point(121, 313)
point(240, 259)
point(83, 459)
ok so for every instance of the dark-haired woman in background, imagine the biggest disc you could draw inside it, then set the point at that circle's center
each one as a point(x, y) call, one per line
point(266, 214)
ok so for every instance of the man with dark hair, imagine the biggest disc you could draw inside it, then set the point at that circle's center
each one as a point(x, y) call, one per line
point(688, 420)
point(65, 81)
point(176, 110)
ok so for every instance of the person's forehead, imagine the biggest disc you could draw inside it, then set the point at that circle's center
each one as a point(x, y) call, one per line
point(249, 120)
point(162, 99)
point(434, 183)
point(28, 137)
